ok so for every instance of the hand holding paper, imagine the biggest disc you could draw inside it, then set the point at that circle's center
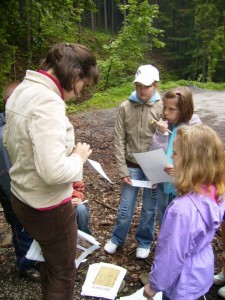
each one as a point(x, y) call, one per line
point(141, 183)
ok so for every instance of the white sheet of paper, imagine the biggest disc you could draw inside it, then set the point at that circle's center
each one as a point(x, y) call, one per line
point(153, 164)
point(139, 296)
point(141, 183)
point(97, 167)
point(109, 288)
point(35, 253)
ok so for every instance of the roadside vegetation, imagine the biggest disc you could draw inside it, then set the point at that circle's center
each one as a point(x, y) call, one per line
point(112, 97)
point(122, 34)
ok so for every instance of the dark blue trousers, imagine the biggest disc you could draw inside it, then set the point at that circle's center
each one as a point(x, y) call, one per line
point(21, 239)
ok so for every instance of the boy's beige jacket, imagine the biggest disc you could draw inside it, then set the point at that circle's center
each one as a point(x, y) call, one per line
point(39, 139)
point(134, 131)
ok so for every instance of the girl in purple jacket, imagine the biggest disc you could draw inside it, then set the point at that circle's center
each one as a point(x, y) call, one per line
point(183, 266)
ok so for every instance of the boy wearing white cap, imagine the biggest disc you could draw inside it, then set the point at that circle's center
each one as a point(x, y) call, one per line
point(133, 134)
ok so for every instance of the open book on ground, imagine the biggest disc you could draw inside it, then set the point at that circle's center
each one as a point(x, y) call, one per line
point(85, 245)
point(139, 296)
point(103, 280)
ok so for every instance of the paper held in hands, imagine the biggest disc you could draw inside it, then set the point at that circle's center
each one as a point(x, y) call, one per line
point(98, 168)
point(141, 183)
point(153, 164)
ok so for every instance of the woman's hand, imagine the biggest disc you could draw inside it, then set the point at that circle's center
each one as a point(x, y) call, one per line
point(83, 150)
point(148, 292)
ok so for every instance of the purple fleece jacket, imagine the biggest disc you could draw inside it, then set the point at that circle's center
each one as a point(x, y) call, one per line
point(183, 267)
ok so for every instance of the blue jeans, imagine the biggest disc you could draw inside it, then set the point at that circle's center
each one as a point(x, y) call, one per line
point(163, 201)
point(128, 202)
point(82, 213)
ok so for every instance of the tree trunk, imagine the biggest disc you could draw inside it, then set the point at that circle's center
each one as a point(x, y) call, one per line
point(112, 17)
point(25, 13)
point(99, 24)
point(29, 52)
point(93, 21)
point(105, 16)
point(204, 68)
point(124, 14)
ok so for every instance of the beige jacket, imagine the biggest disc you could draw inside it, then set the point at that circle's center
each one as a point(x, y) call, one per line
point(39, 139)
point(134, 130)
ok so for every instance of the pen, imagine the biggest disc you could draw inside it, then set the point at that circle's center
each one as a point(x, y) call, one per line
point(157, 122)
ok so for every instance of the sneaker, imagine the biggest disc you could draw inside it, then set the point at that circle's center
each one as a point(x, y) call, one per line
point(219, 279)
point(142, 252)
point(221, 292)
point(110, 247)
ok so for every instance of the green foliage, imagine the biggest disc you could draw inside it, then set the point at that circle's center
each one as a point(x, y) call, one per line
point(177, 20)
point(194, 36)
point(6, 62)
point(136, 37)
point(210, 32)
point(207, 85)
point(103, 100)
point(114, 96)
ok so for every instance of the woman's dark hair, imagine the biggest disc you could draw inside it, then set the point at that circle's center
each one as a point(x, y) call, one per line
point(69, 61)
point(185, 102)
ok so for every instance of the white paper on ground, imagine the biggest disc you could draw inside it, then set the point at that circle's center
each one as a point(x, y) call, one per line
point(139, 296)
point(103, 280)
point(153, 164)
point(35, 253)
point(141, 183)
point(97, 167)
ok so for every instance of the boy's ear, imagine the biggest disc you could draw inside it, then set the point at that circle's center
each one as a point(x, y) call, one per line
point(156, 84)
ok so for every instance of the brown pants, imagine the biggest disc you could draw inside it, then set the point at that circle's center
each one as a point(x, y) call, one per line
point(56, 232)
point(223, 242)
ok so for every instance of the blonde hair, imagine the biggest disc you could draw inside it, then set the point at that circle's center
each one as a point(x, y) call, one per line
point(202, 159)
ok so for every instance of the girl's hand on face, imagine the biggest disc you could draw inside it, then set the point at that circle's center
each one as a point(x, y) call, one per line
point(170, 170)
point(83, 150)
point(162, 126)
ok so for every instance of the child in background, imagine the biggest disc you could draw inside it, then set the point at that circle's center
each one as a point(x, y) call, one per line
point(82, 212)
point(133, 134)
point(178, 109)
point(183, 266)
point(21, 239)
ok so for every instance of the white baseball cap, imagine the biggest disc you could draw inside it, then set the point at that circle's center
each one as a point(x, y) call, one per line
point(146, 75)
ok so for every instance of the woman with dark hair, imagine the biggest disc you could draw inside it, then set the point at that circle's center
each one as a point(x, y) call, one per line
point(45, 162)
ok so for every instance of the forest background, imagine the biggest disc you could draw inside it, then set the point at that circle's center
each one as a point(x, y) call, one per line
point(184, 39)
